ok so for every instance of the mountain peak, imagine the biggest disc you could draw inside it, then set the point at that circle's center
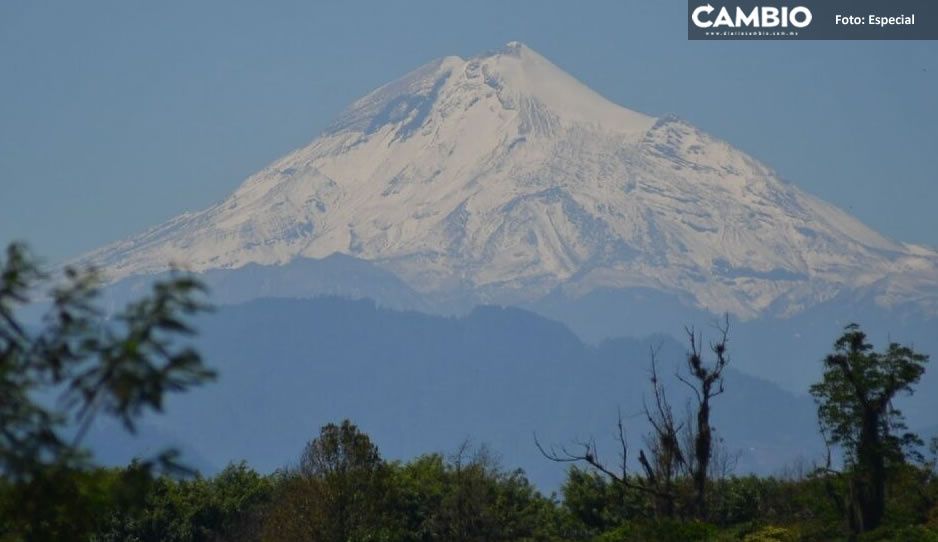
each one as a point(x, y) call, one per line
point(519, 50)
point(525, 84)
point(512, 48)
point(515, 47)
point(520, 74)
point(505, 177)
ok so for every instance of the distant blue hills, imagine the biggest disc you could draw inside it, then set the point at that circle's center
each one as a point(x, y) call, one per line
point(420, 383)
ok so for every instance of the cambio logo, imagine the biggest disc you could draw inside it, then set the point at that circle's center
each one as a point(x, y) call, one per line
point(757, 17)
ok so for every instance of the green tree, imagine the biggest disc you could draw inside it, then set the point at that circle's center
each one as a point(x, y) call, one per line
point(338, 493)
point(57, 376)
point(227, 507)
point(856, 412)
point(598, 504)
point(469, 497)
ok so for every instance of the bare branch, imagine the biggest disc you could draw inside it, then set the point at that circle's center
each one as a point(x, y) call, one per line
point(689, 385)
point(623, 445)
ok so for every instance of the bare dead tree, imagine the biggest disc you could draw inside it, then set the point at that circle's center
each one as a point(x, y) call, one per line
point(706, 382)
point(673, 449)
point(587, 452)
point(667, 459)
point(663, 463)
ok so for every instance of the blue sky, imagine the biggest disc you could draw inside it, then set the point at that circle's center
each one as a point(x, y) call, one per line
point(115, 116)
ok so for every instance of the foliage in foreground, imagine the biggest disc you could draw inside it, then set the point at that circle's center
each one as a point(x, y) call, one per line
point(79, 364)
point(342, 490)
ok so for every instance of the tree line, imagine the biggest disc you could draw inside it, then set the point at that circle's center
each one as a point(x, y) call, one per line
point(877, 482)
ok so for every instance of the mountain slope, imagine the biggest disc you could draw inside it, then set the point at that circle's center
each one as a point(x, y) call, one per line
point(504, 177)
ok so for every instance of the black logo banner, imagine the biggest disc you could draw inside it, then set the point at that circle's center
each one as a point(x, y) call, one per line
point(813, 20)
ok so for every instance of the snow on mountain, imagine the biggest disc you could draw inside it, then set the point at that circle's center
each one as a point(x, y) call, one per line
point(504, 176)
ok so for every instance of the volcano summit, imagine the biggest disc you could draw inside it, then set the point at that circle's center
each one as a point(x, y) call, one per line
point(503, 176)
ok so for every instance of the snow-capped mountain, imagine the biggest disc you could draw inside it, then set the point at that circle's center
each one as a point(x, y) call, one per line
point(504, 176)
